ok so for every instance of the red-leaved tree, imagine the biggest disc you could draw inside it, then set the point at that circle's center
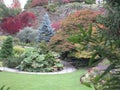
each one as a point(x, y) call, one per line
point(12, 25)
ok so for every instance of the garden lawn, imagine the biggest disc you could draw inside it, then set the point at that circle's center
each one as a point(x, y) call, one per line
point(69, 81)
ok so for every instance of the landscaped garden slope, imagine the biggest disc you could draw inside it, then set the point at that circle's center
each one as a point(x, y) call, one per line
point(43, 82)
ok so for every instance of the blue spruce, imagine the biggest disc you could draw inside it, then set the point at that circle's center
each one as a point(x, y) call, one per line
point(45, 30)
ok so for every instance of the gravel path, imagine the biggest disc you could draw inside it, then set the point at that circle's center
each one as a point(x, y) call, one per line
point(67, 69)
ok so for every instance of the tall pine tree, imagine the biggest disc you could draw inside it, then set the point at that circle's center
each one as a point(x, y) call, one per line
point(45, 30)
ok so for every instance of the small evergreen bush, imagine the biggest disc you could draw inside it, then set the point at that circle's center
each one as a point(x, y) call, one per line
point(7, 48)
point(27, 35)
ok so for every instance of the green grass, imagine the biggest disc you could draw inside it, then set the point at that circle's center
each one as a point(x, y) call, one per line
point(68, 81)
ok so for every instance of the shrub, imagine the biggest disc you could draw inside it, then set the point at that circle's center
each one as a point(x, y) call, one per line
point(56, 25)
point(7, 48)
point(105, 48)
point(18, 50)
point(109, 25)
point(2, 38)
point(59, 42)
point(14, 24)
point(27, 18)
point(11, 25)
point(27, 35)
point(45, 31)
point(36, 62)
point(81, 17)
point(13, 62)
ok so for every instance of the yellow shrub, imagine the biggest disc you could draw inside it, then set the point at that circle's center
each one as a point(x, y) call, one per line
point(2, 38)
point(18, 49)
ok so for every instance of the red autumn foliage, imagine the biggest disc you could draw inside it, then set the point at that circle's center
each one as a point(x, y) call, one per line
point(12, 25)
point(39, 2)
point(56, 25)
point(59, 43)
point(82, 17)
point(69, 26)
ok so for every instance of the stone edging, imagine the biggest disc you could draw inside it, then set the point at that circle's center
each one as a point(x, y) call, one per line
point(68, 68)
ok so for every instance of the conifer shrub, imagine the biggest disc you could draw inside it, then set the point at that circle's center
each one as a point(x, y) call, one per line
point(7, 48)
point(45, 30)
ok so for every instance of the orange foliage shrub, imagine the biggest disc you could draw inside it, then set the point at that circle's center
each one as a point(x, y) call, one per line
point(59, 42)
point(82, 17)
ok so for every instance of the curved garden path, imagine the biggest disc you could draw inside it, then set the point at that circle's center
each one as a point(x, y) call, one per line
point(67, 69)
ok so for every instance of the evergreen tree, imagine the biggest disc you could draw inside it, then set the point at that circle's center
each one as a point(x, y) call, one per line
point(7, 48)
point(45, 31)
